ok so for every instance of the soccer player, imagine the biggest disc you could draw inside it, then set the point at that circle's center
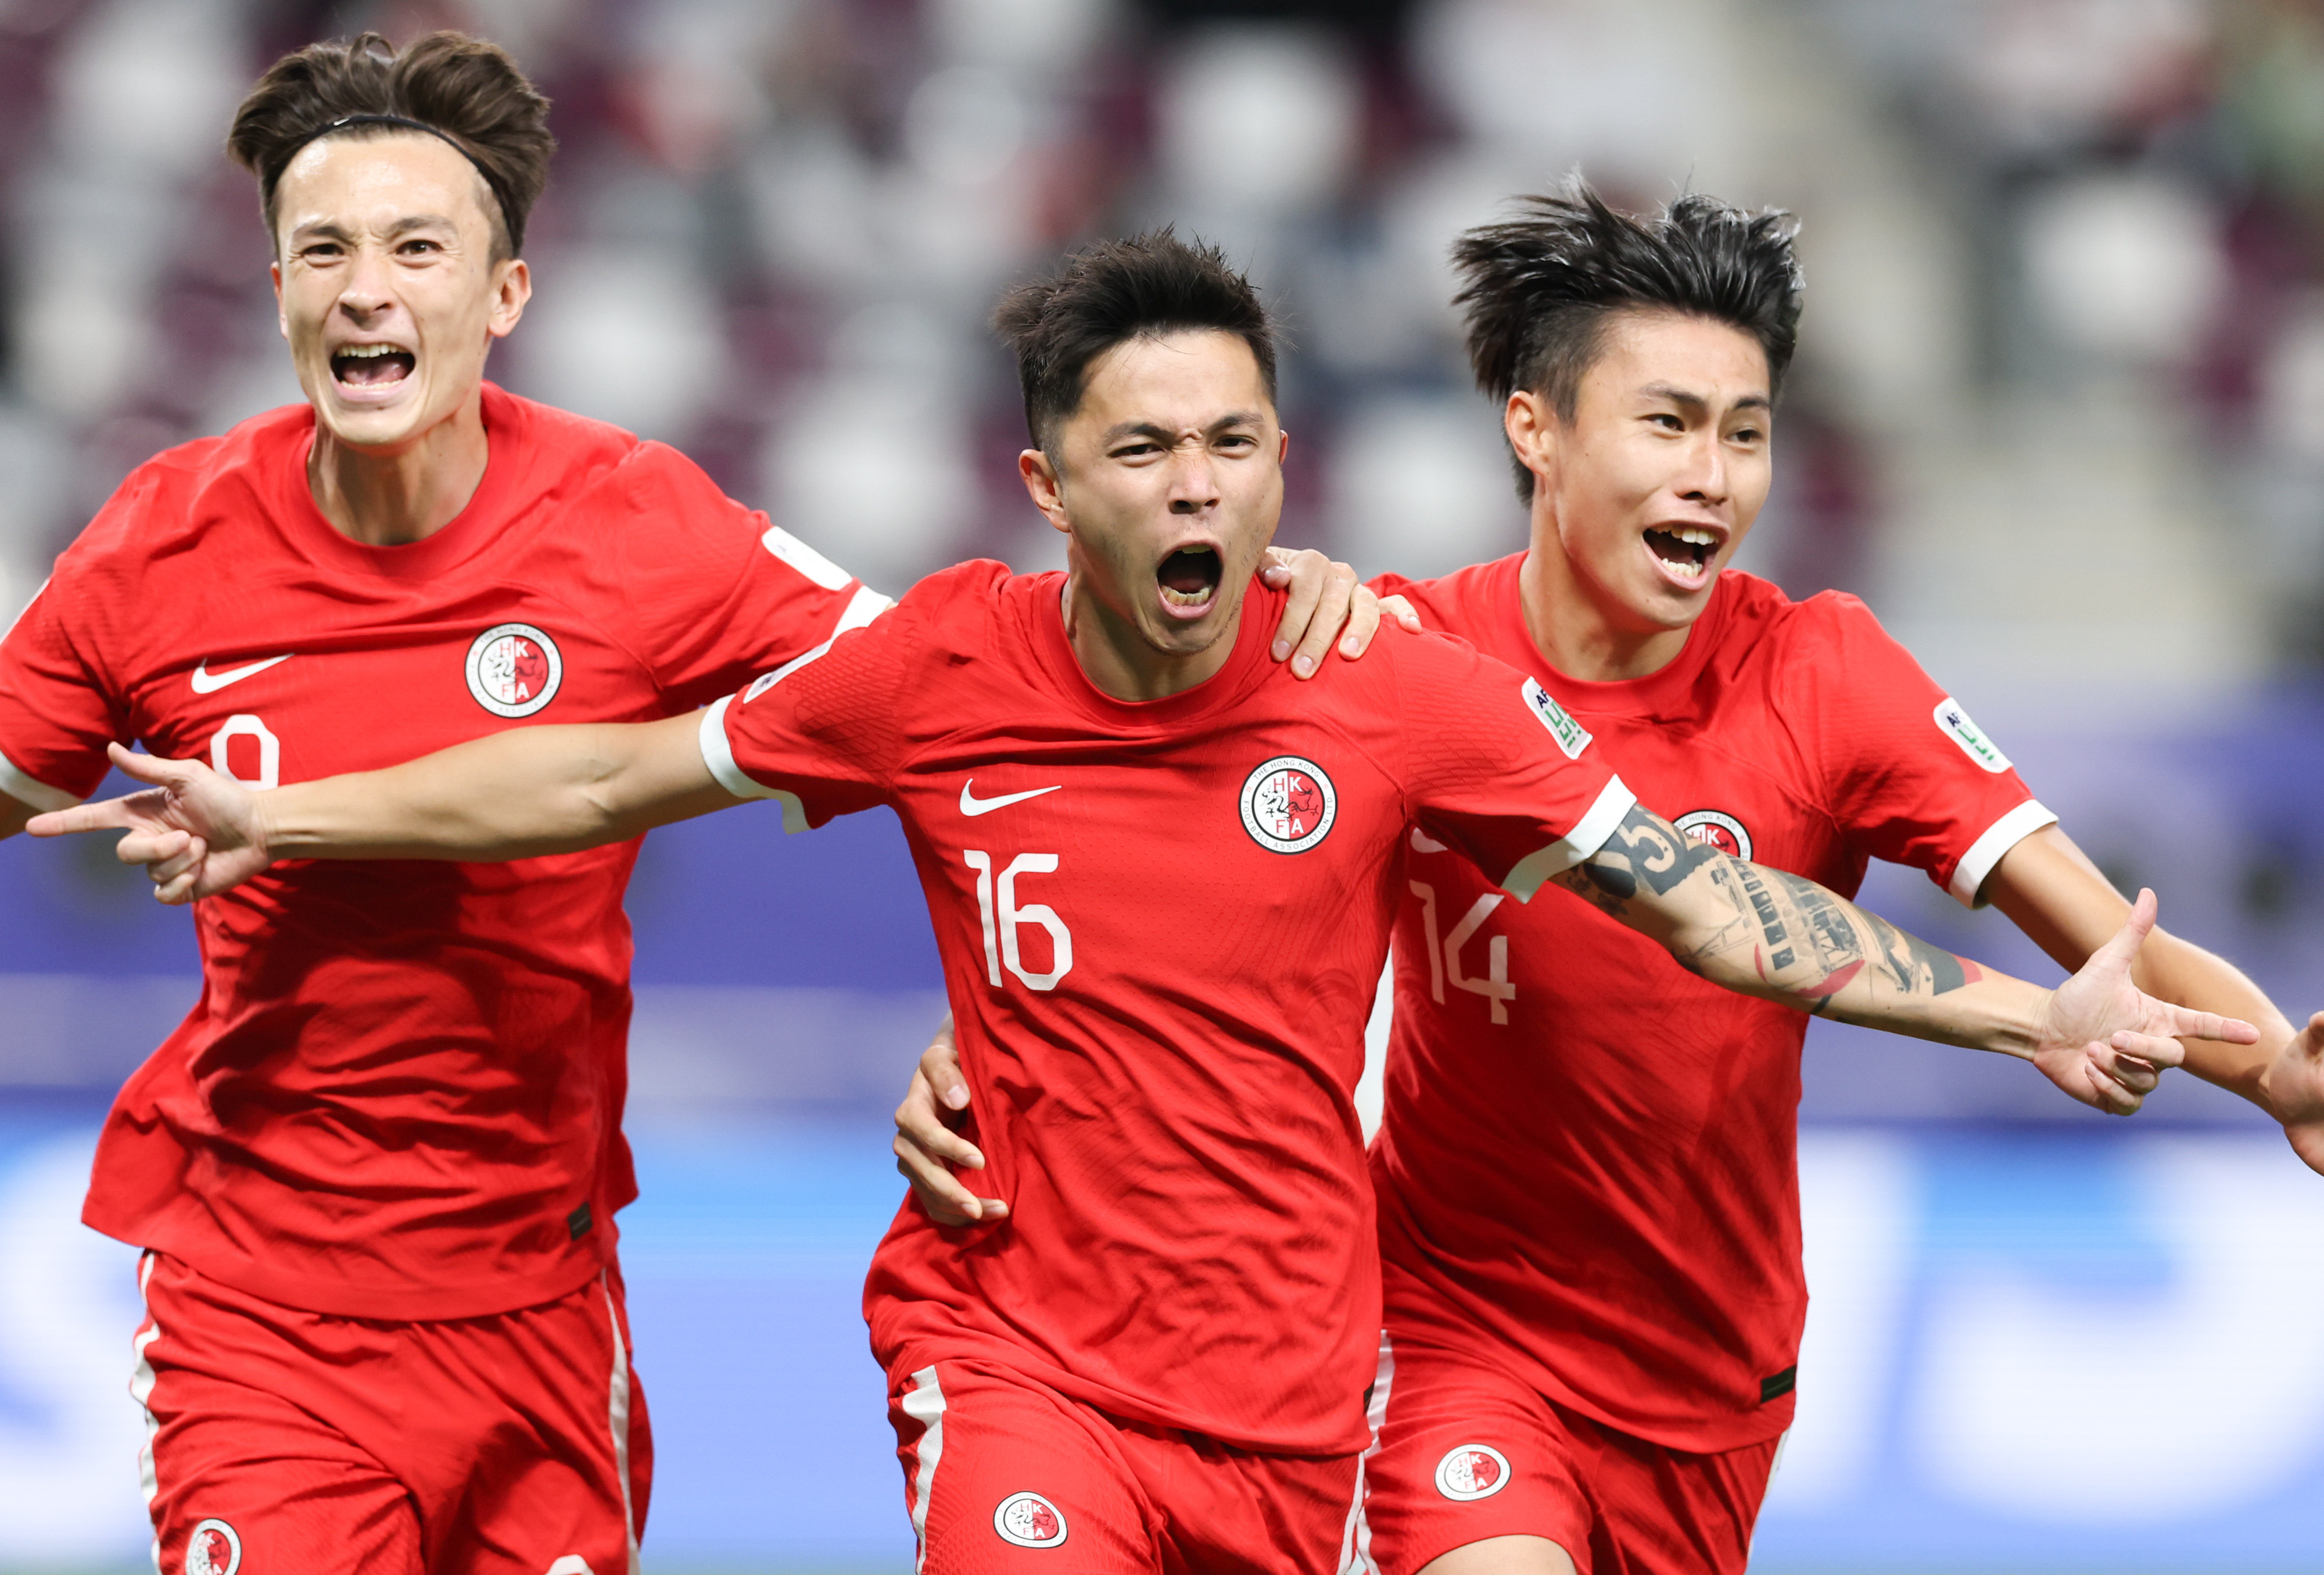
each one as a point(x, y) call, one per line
point(1162, 882)
point(1588, 1203)
point(377, 1167)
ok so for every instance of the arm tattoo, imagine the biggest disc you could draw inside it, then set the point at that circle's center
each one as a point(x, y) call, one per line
point(1792, 923)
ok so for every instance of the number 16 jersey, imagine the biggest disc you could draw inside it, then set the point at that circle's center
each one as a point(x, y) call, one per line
point(1161, 926)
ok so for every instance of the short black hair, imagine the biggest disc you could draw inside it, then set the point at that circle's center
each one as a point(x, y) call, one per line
point(1110, 293)
point(1538, 290)
point(466, 90)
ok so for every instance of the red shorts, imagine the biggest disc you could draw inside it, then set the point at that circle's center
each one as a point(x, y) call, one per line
point(998, 1467)
point(1465, 1451)
point(281, 1442)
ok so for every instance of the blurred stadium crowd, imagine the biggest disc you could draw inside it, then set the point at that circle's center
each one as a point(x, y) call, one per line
point(2064, 350)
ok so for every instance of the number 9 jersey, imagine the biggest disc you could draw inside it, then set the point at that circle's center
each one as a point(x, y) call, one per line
point(400, 1094)
point(1161, 925)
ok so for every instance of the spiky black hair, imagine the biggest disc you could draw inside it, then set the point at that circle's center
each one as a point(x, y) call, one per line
point(1538, 290)
point(1112, 292)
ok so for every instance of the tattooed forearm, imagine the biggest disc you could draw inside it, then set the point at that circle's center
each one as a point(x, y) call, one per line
point(1787, 935)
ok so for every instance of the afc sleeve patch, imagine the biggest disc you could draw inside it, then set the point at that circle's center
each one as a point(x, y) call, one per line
point(1572, 737)
point(1954, 724)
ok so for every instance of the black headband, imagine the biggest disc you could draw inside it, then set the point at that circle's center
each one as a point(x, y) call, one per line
point(508, 214)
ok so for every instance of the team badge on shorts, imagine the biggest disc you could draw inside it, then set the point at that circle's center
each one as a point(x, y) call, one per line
point(1472, 1471)
point(1028, 1520)
point(1724, 832)
point(514, 669)
point(214, 1549)
point(1288, 804)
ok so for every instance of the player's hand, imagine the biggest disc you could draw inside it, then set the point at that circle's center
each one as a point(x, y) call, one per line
point(927, 1146)
point(1326, 598)
point(196, 832)
point(2106, 1042)
point(2294, 1085)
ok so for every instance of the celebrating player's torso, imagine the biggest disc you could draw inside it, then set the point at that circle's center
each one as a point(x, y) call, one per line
point(400, 1095)
point(1587, 1156)
point(1161, 924)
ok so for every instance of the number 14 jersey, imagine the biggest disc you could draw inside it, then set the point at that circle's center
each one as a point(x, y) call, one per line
point(1161, 927)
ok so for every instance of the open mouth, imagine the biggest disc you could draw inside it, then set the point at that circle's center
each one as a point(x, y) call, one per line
point(371, 366)
point(1685, 550)
point(1189, 577)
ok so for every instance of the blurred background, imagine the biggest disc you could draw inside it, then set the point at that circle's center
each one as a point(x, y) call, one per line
point(2058, 415)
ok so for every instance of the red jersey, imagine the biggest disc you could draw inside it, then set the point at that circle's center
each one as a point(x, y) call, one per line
point(400, 1095)
point(1161, 927)
point(1587, 1156)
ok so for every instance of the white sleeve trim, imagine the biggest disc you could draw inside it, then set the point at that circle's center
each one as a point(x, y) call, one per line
point(1999, 837)
point(719, 754)
point(862, 607)
point(1587, 835)
point(32, 789)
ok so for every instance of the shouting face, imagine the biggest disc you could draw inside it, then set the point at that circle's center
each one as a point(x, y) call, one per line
point(389, 292)
point(1169, 481)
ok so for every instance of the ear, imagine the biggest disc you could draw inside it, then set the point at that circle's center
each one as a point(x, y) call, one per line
point(1535, 433)
point(1282, 447)
point(1047, 487)
point(511, 291)
point(281, 316)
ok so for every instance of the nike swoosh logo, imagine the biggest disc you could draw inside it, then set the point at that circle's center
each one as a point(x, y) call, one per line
point(970, 804)
point(208, 682)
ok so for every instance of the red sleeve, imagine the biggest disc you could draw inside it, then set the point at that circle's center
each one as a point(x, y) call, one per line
point(1911, 778)
point(60, 700)
point(1497, 768)
point(718, 591)
point(822, 734)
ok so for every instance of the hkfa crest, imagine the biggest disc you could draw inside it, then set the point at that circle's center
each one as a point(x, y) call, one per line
point(214, 1549)
point(1028, 1520)
point(1288, 804)
point(1472, 1471)
point(514, 669)
point(1714, 830)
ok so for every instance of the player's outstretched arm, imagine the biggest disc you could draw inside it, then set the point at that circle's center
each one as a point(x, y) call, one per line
point(1765, 932)
point(2053, 892)
point(516, 794)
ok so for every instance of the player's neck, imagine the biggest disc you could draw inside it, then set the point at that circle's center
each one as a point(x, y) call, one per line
point(1575, 630)
point(1114, 656)
point(389, 498)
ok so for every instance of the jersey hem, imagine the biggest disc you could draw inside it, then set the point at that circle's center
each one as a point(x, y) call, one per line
point(912, 1354)
point(307, 1292)
point(19, 784)
point(1986, 852)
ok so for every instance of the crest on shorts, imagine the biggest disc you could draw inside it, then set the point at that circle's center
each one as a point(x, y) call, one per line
point(213, 1549)
point(514, 669)
point(1028, 1520)
point(1716, 829)
point(1288, 804)
point(1472, 1471)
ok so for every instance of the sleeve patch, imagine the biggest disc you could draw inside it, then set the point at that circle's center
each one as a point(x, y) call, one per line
point(805, 559)
point(1954, 724)
point(1571, 735)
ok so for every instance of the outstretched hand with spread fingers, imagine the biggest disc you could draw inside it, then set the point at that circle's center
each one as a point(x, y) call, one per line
point(196, 830)
point(2106, 1042)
